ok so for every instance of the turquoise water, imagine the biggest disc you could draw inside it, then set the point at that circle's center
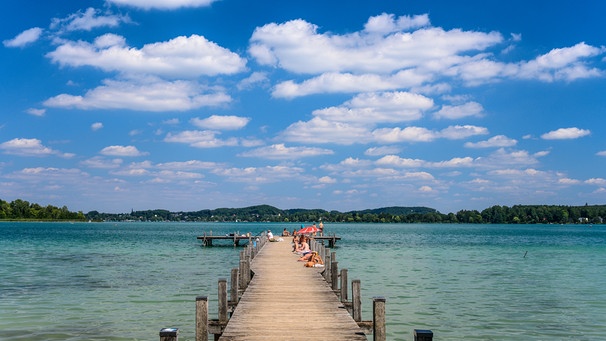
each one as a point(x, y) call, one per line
point(125, 281)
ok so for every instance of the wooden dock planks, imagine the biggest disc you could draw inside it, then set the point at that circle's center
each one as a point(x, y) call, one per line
point(287, 301)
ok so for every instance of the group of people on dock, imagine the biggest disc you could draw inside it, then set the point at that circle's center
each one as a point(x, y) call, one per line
point(300, 245)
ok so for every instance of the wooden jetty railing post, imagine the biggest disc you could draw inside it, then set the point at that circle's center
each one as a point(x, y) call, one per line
point(327, 265)
point(233, 293)
point(423, 335)
point(334, 275)
point(343, 285)
point(378, 317)
point(356, 300)
point(201, 318)
point(169, 334)
point(222, 300)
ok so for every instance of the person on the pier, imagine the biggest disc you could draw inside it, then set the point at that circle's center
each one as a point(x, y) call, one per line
point(303, 248)
point(312, 260)
point(285, 233)
point(270, 236)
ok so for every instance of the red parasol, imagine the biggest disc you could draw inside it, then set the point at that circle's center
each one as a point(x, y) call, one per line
point(308, 229)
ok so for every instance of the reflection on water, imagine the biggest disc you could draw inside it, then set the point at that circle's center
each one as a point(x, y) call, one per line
point(482, 282)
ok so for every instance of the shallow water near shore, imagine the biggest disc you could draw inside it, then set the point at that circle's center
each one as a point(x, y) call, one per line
point(125, 281)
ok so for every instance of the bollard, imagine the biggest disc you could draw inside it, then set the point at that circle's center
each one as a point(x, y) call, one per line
point(169, 334)
point(201, 318)
point(378, 318)
point(343, 285)
point(423, 335)
point(222, 300)
point(356, 300)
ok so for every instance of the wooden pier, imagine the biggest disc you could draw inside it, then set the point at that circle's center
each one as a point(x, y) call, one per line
point(287, 301)
point(275, 297)
point(207, 240)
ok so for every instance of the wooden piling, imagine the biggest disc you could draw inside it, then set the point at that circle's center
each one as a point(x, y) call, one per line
point(233, 292)
point(344, 285)
point(356, 300)
point(334, 275)
point(222, 300)
point(378, 317)
point(201, 318)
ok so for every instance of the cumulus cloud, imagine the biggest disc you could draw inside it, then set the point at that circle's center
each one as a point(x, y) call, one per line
point(221, 122)
point(495, 141)
point(602, 153)
point(200, 139)
point(24, 38)
point(36, 112)
point(281, 152)
point(96, 126)
point(182, 56)
point(87, 20)
point(460, 111)
point(565, 134)
point(29, 147)
point(145, 95)
point(122, 151)
point(162, 4)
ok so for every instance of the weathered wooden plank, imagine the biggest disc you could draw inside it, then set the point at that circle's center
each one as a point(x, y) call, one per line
point(287, 301)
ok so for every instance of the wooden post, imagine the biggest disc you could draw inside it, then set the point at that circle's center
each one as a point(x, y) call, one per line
point(222, 300)
point(343, 285)
point(356, 300)
point(378, 318)
point(234, 286)
point(169, 334)
point(327, 265)
point(201, 318)
point(334, 275)
point(423, 335)
point(242, 279)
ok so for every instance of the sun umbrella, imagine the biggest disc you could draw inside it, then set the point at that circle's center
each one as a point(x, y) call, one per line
point(308, 229)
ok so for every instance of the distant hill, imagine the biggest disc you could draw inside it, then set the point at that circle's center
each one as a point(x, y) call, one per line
point(397, 210)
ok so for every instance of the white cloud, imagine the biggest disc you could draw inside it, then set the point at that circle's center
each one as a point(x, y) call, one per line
point(384, 150)
point(596, 181)
point(318, 130)
point(36, 112)
point(148, 95)
point(89, 19)
point(96, 126)
point(255, 78)
point(602, 153)
point(495, 141)
point(182, 56)
point(24, 38)
point(281, 152)
point(200, 139)
point(298, 47)
point(29, 147)
point(122, 151)
point(460, 111)
point(221, 122)
point(163, 4)
point(565, 134)
point(102, 163)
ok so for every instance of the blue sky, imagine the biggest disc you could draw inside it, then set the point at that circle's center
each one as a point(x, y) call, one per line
point(193, 104)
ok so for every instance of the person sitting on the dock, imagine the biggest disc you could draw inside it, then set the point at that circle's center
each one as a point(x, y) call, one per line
point(295, 241)
point(303, 248)
point(270, 236)
point(314, 260)
point(285, 233)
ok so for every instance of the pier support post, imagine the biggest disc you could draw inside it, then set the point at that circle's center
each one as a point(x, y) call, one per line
point(169, 334)
point(234, 286)
point(378, 318)
point(334, 275)
point(201, 318)
point(344, 285)
point(356, 300)
point(423, 335)
point(222, 300)
point(327, 264)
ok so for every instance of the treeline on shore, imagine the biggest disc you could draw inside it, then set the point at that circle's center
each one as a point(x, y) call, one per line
point(518, 214)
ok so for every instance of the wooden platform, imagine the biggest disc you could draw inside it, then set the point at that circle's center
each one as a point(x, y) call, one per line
point(207, 240)
point(287, 301)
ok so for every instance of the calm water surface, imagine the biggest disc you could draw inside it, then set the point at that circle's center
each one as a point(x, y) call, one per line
point(125, 281)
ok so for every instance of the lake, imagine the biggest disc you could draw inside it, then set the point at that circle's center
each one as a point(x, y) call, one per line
point(126, 281)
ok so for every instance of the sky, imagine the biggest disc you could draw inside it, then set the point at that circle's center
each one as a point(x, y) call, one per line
point(184, 105)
